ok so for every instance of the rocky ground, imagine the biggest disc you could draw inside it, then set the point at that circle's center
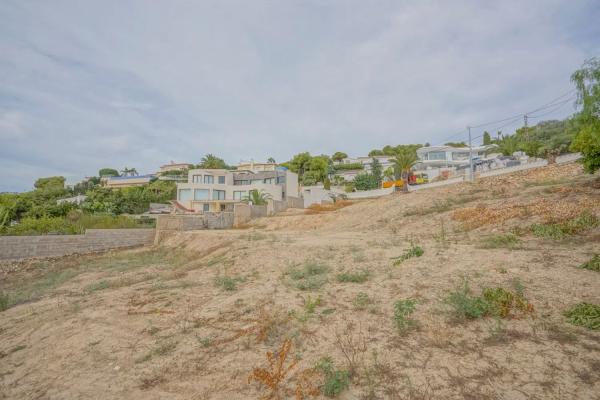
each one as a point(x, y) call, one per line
point(382, 299)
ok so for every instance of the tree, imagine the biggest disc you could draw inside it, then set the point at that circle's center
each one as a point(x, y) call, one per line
point(52, 182)
point(210, 161)
point(327, 184)
point(299, 163)
point(129, 172)
point(507, 145)
point(257, 197)
point(587, 121)
point(402, 163)
point(487, 139)
point(377, 171)
point(339, 156)
point(375, 152)
point(389, 173)
point(365, 181)
point(108, 172)
point(271, 160)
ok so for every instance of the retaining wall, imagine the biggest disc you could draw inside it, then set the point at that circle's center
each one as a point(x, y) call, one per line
point(241, 214)
point(295, 202)
point(22, 247)
point(258, 211)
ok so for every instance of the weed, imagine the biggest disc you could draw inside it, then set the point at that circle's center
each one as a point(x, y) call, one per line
point(310, 305)
point(403, 310)
point(413, 251)
point(227, 283)
point(509, 241)
point(466, 305)
point(4, 301)
point(584, 314)
point(275, 374)
point(204, 341)
point(362, 301)
point(310, 276)
point(336, 380)
point(101, 285)
point(584, 221)
point(593, 265)
point(353, 344)
point(354, 277)
point(501, 302)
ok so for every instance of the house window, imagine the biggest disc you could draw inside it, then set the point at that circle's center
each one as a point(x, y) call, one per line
point(241, 182)
point(239, 195)
point(270, 180)
point(221, 180)
point(209, 179)
point(218, 195)
point(196, 178)
point(436, 155)
point(201, 194)
point(205, 207)
point(185, 194)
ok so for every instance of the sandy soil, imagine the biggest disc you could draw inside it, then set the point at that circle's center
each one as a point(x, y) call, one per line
point(159, 323)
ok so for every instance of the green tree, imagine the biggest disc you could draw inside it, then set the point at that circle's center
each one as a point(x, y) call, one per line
point(210, 161)
point(377, 171)
point(375, 152)
point(487, 139)
point(456, 144)
point(365, 181)
point(327, 184)
point(108, 172)
point(507, 145)
point(257, 197)
point(52, 182)
point(339, 156)
point(402, 163)
point(271, 160)
point(587, 121)
point(299, 163)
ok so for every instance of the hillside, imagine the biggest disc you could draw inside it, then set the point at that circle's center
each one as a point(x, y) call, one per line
point(345, 298)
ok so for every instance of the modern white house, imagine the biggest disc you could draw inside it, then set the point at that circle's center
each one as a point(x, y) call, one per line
point(365, 162)
point(219, 189)
point(436, 160)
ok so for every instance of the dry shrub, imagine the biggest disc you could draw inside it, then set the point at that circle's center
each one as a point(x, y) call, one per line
point(319, 208)
point(275, 376)
point(353, 346)
point(551, 211)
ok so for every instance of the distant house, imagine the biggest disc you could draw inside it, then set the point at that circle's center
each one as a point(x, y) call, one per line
point(115, 182)
point(80, 198)
point(254, 166)
point(448, 156)
point(173, 166)
point(365, 165)
point(219, 189)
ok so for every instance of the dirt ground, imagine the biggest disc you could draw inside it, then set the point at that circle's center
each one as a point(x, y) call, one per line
point(194, 317)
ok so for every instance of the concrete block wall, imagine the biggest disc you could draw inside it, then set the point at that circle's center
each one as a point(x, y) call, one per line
point(241, 214)
point(258, 211)
point(218, 220)
point(23, 247)
point(295, 202)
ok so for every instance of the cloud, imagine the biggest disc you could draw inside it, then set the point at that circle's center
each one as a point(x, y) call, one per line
point(86, 86)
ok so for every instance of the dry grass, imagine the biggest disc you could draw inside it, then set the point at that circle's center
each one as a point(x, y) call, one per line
point(321, 208)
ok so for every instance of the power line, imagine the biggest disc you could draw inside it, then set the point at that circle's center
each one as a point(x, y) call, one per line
point(558, 106)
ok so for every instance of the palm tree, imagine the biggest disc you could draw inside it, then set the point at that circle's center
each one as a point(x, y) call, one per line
point(257, 197)
point(129, 172)
point(210, 161)
point(402, 163)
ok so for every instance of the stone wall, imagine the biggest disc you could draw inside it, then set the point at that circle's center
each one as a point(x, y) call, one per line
point(241, 214)
point(218, 220)
point(258, 211)
point(22, 247)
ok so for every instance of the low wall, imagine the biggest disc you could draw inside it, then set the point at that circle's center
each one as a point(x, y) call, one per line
point(366, 194)
point(258, 211)
point(192, 222)
point(218, 220)
point(23, 247)
point(295, 202)
point(241, 214)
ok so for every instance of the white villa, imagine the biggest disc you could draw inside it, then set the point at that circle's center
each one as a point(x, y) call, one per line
point(219, 189)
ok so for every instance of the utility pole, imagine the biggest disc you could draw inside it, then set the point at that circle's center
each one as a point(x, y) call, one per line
point(525, 126)
point(471, 175)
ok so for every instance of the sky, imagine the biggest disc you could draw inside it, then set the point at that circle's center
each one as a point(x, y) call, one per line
point(113, 83)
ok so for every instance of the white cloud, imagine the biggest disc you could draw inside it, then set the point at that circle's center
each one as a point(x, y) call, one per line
point(141, 83)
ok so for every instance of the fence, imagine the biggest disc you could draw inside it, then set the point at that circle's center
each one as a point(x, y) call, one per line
point(22, 247)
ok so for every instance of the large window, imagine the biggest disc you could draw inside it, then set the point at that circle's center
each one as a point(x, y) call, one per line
point(218, 195)
point(201, 194)
point(221, 180)
point(436, 155)
point(239, 194)
point(185, 194)
point(196, 178)
point(209, 179)
point(241, 182)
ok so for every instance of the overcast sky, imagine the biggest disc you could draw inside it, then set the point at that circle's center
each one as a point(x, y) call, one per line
point(86, 85)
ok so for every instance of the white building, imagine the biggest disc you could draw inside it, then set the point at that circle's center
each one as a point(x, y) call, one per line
point(365, 162)
point(219, 189)
point(437, 159)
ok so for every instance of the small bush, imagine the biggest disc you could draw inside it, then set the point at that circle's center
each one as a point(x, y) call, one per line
point(311, 305)
point(310, 276)
point(403, 310)
point(413, 251)
point(227, 283)
point(584, 314)
point(101, 285)
point(586, 220)
point(336, 380)
point(465, 305)
point(362, 301)
point(509, 240)
point(593, 264)
point(354, 277)
point(4, 301)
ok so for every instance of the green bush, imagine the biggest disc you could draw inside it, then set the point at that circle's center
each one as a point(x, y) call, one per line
point(336, 380)
point(227, 283)
point(4, 301)
point(586, 220)
point(584, 314)
point(310, 276)
point(465, 305)
point(593, 264)
point(413, 251)
point(403, 310)
point(347, 167)
point(353, 277)
point(509, 240)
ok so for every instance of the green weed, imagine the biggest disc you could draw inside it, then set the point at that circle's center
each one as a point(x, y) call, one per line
point(227, 283)
point(592, 265)
point(586, 220)
point(336, 380)
point(362, 301)
point(584, 314)
point(403, 311)
point(354, 277)
point(509, 241)
point(310, 276)
point(413, 251)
